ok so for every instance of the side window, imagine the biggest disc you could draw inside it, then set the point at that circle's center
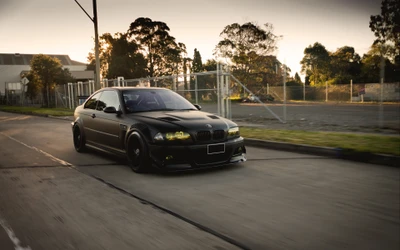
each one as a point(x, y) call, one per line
point(91, 104)
point(107, 99)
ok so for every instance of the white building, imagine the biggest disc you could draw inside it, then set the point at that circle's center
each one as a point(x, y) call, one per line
point(13, 66)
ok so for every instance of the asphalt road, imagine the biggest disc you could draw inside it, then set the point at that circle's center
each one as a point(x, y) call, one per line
point(54, 198)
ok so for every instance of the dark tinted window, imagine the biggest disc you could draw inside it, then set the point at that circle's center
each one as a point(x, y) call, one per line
point(19, 60)
point(8, 60)
point(91, 104)
point(137, 100)
point(108, 99)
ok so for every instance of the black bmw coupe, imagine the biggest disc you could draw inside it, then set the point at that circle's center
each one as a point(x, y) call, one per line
point(155, 127)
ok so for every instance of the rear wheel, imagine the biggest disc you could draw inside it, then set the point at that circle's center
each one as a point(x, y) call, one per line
point(79, 142)
point(137, 153)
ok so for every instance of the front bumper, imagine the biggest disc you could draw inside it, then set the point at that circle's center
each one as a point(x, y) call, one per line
point(185, 157)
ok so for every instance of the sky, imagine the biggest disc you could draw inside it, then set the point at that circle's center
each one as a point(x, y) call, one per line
point(61, 27)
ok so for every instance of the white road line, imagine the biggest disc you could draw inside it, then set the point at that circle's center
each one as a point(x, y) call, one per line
point(11, 235)
point(53, 158)
point(3, 222)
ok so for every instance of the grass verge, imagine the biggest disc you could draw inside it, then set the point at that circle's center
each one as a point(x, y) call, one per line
point(38, 111)
point(382, 144)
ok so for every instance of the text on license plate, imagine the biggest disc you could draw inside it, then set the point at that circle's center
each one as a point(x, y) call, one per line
point(216, 148)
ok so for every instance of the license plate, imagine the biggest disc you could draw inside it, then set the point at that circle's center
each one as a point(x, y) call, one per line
point(216, 148)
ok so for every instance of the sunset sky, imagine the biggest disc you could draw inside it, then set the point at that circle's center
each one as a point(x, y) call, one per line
point(61, 27)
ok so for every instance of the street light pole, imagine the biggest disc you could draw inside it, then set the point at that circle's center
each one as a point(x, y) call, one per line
point(96, 40)
point(96, 47)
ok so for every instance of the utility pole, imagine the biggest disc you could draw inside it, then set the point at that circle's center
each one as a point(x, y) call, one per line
point(96, 46)
point(96, 41)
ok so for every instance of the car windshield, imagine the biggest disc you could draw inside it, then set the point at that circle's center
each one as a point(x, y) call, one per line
point(139, 100)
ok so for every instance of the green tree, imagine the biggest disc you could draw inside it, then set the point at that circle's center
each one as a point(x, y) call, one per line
point(197, 64)
point(150, 35)
point(243, 44)
point(297, 78)
point(265, 70)
point(46, 72)
point(123, 57)
point(371, 65)
point(315, 63)
point(173, 55)
point(386, 26)
point(119, 57)
point(163, 53)
point(32, 89)
point(345, 65)
point(210, 65)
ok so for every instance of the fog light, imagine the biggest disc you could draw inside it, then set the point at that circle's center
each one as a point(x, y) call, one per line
point(169, 157)
point(239, 151)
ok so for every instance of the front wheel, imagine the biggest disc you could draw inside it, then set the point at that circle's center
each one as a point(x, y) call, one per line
point(137, 153)
point(79, 141)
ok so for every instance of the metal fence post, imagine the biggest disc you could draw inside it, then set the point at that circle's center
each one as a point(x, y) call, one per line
point(284, 94)
point(228, 92)
point(351, 91)
point(381, 106)
point(222, 88)
point(195, 90)
point(69, 96)
point(326, 91)
point(382, 77)
point(218, 91)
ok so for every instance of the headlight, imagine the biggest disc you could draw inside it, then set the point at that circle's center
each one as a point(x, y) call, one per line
point(177, 136)
point(172, 136)
point(233, 132)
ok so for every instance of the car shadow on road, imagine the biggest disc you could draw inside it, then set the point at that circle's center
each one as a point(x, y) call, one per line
point(111, 159)
point(198, 171)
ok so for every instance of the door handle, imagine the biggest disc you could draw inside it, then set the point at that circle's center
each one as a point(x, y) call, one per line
point(93, 116)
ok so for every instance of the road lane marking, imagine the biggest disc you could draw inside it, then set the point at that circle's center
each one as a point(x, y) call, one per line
point(11, 235)
point(53, 158)
point(142, 200)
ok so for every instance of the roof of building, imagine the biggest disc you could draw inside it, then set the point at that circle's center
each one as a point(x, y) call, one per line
point(25, 59)
point(78, 75)
point(88, 74)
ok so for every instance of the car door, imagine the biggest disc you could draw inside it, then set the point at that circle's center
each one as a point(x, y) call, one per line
point(108, 124)
point(88, 117)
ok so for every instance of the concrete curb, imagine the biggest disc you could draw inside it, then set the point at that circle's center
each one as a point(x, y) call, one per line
point(68, 118)
point(380, 159)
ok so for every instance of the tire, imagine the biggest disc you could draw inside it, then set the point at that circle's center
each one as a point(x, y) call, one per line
point(137, 153)
point(79, 141)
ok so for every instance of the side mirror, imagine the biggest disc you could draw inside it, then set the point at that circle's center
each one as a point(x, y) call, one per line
point(110, 110)
point(197, 106)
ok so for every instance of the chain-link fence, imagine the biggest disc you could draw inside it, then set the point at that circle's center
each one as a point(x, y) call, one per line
point(221, 93)
point(365, 92)
point(368, 107)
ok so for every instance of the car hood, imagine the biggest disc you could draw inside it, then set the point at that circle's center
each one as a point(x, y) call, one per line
point(188, 120)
